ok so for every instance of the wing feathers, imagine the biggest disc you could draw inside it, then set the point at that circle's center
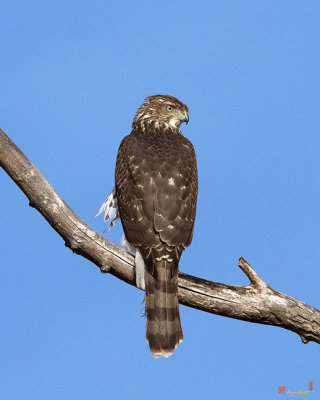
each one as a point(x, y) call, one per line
point(156, 183)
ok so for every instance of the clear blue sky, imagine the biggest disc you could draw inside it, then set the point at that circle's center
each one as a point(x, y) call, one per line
point(72, 74)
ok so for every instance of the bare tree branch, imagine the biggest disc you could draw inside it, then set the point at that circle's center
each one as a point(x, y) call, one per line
point(257, 302)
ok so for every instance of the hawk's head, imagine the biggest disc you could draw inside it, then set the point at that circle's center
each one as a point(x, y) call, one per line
point(161, 111)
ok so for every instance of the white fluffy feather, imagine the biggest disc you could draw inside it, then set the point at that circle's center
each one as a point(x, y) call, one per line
point(110, 209)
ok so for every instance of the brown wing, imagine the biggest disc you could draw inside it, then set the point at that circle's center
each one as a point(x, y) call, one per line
point(157, 184)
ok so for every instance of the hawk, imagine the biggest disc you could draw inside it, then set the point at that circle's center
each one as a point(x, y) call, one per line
point(155, 196)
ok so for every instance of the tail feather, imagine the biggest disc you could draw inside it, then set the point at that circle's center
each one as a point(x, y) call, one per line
point(164, 332)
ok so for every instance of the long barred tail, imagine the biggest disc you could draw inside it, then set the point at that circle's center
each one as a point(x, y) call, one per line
point(164, 332)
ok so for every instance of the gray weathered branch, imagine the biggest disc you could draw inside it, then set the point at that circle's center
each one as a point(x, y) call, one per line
point(257, 302)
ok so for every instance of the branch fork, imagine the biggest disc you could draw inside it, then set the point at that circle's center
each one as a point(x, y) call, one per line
point(256, 281)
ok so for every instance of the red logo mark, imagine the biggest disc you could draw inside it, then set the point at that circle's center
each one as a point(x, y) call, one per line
point(281, 389)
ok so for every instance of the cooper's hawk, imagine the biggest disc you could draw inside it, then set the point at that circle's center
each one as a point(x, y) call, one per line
point(156, 187)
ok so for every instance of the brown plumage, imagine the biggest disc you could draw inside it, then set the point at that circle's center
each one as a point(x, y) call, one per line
point(156, 187)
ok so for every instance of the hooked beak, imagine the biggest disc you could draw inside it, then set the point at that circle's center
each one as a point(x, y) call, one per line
point(184, 117)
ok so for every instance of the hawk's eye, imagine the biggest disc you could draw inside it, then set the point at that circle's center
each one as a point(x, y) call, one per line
point(169, 108)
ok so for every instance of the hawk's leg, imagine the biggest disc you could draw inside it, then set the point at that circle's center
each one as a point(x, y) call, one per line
point(140, 268)
point(138, 261)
